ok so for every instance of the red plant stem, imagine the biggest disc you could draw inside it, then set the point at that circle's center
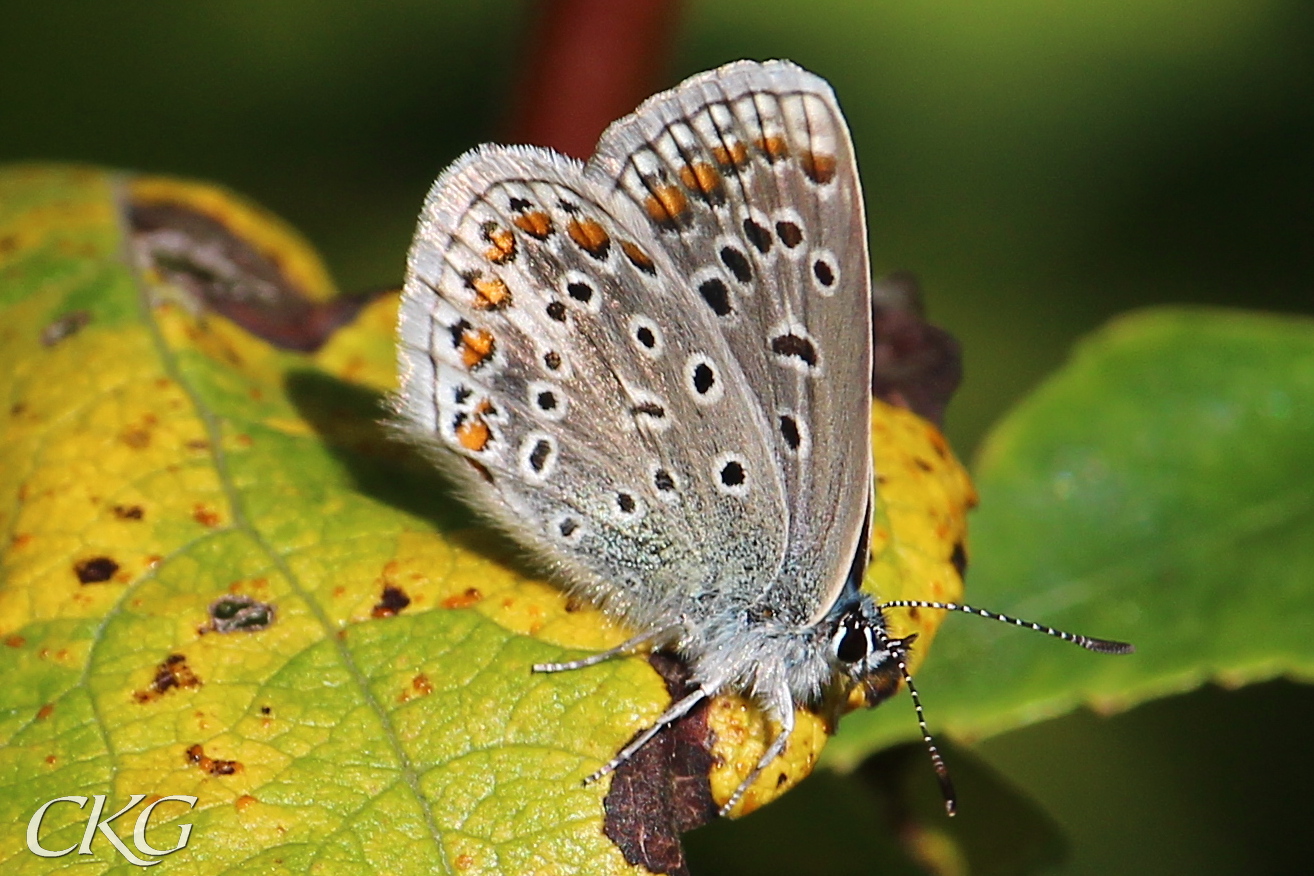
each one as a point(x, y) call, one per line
point(590, 62)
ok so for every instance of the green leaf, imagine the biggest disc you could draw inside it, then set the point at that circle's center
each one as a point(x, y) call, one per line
point(375, 711)
point(1158, 489)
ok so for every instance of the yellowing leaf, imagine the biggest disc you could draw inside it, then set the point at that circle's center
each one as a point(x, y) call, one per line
point(221, 578)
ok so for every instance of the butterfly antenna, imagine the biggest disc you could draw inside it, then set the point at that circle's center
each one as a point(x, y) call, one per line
point(937, 759)
point(1103, 646)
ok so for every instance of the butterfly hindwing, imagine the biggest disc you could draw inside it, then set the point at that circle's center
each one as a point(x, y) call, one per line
point(747, 176)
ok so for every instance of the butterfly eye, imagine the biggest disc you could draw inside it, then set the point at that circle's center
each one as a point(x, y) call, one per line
point(851, 644)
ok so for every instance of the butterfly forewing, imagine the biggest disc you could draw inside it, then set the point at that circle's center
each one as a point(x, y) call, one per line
point(550, 352)
point(747, 178)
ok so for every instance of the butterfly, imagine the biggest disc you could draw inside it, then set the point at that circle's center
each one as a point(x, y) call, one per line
point(653, 370)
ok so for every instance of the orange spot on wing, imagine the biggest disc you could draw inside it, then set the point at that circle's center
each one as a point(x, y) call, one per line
point(536, 224)
point(774, 148)
point(490, 292)
point(702, 178)
point(734, 155)
point(638, 257)
point(502, 244)
point(666, 206)
point(473, 433)
point(590, 237)
point(819, 167)
point(476, 347)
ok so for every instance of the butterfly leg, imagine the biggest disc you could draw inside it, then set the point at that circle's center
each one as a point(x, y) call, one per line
point(624, 649)
point(676, 711)
point(777, 747)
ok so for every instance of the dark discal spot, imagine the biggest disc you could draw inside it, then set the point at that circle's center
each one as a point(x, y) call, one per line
point(789, 233)
point(789, 431)
point(394, 599)
point(650, 409)
point(214, 766)
point(546, 401)
point(625, 502)
point(824, 273)
point(235, 275)
point(662, 480)
point(704, 378)
point(757, 235)
point(173, 673)
point(793, 345)
point(737, 263)
point(95, 570)
point(732, 474)
point(567, 527)
point(538, 457)
point(716, 295)
point(581, 292)
point(557, 311)
point(959, 559)
point(66, 326)
point(646, 337)
point(552, 359)
point(129, 512)
point(240, 614)
point(663, 790)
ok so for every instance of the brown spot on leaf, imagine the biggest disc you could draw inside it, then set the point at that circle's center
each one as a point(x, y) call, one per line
point(45, 711)
point(95, 570)
point(215, 767)
point(470, 596)
point(136, 437)
point(422, 684)
point(21, 539)
point(65, 327)
point(205, 515)
point(15, 641)
point(51, 759)
point(245, 802)
point(197, 444)
point(663, 790)
point(235, 275)
point(464, 862)
point(129, 512)
point(959, 559)
point(172, 673)
point(394, 599)
point(239, 614)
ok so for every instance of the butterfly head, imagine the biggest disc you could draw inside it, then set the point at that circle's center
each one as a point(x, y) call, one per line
point(866, 657)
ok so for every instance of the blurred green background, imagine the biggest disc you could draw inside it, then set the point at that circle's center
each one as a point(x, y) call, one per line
point(1040, 166)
